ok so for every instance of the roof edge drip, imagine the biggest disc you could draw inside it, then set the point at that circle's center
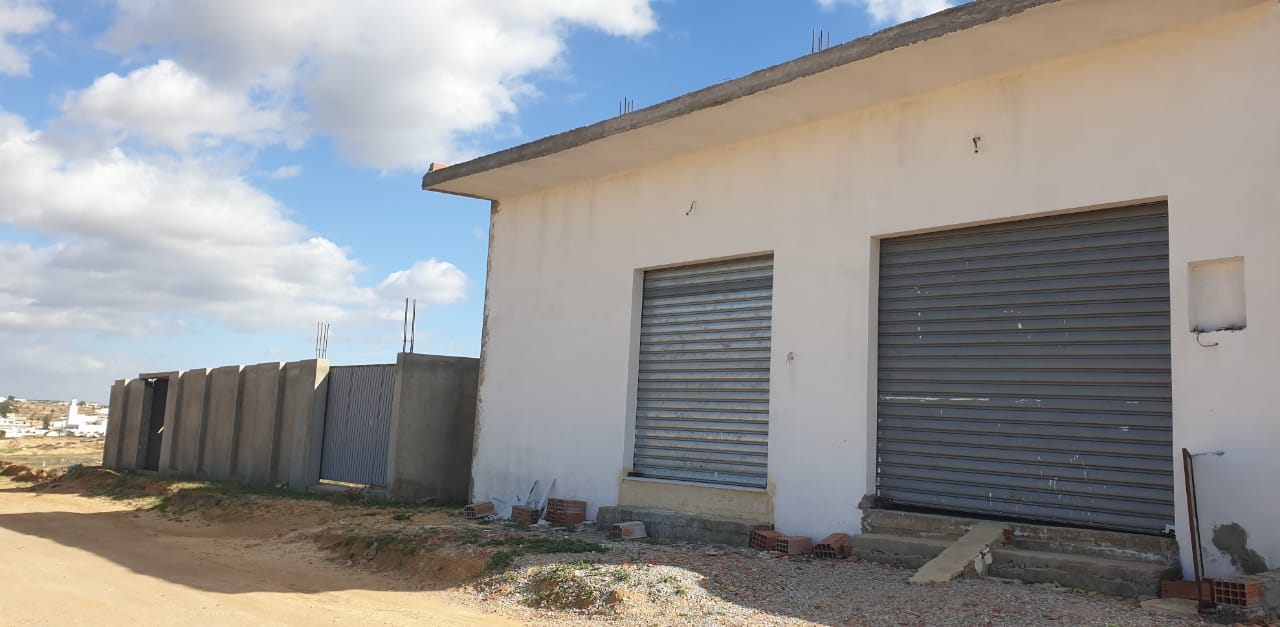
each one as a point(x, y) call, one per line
point(963, 17)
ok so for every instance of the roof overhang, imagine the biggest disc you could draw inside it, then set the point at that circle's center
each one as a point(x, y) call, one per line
point(971, 41)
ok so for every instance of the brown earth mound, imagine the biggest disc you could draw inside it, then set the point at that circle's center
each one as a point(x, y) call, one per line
point(427, 557)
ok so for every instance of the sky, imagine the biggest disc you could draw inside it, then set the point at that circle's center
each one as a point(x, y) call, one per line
point(197, 183)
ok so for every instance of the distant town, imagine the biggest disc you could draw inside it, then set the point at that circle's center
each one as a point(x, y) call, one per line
point(20, 418)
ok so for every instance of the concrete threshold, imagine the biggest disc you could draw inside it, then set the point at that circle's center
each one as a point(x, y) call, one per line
point(1109, 562)
point(970, 555)
point(664, 524)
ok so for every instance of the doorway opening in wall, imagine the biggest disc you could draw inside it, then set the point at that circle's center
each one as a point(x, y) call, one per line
point(1024, 371)
point(157, 397)
point(702, 393)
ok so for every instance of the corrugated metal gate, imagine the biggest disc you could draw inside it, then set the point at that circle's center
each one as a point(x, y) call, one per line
point(702, 403)
point(1024, 370)
point(357, 424)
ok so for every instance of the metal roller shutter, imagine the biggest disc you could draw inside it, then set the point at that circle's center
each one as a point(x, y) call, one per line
point(357, 424)
point(1024, 370)
point(702, 402)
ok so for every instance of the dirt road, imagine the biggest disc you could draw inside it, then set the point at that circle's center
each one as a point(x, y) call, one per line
point(74, 560)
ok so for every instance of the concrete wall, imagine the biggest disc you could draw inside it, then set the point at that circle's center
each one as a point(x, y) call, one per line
point(1187, 116)
point(230, 423)
point(115, 425)
point(221, 417)
point(302, 422)
point(258, 434)
point(432, 427)
point(264, 424)
point(192, 399)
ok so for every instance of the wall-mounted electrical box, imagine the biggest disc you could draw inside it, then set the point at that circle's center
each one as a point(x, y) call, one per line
point(1216, 294)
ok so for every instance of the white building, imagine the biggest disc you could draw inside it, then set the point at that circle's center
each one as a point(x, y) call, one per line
point(994, 261)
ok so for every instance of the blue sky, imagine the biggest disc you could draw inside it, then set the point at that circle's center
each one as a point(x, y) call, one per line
point(194, 183)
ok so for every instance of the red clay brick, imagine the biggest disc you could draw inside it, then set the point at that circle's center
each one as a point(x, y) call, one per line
point(1186, 590)
point(794, 545)
point(834, 546)
point(627, 531)
point(764, 539)
point(1237, 592)
point(478, 510)
point(525, 515)
point(566, 511)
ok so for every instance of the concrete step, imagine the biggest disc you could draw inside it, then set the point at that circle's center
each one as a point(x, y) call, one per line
point(1070, 540)
point(1127, 578)
point(897, 551)
point(663, 524)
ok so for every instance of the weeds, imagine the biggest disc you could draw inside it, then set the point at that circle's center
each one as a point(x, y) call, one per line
point(534, 546)
point(520, 545)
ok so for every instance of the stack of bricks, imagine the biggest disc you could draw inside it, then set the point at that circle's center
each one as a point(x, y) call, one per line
point(793, 545)
point(478, 510)
point(764, 539)
point(525, 515)
point(564, 512)
point(834, 547)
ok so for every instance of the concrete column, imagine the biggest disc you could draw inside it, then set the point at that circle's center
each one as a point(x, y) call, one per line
point(302, 423)
point(115, 424)
point(191, 396)
point(433, 418)
point(172, 421)
point(136, 416)
point(222, 418)
point(258, 436)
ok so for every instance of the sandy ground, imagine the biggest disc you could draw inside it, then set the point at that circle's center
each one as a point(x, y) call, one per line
point(61, 452)
point(71, 560)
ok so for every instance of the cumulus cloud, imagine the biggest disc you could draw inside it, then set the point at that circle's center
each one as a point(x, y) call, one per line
point(892, 11)
point(168, 105)
point(432, 282)
point(397, 84)
point(19, 17)
point(131, 214)
point(139, 242)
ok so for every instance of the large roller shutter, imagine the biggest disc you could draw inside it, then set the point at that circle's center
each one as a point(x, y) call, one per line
point(1024, 370)
point(702, 402)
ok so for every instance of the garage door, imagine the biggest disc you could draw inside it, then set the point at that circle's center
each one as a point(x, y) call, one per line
point(702, 400)
point(1024, 370)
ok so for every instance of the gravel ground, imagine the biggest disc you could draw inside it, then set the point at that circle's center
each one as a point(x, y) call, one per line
point(639, 583)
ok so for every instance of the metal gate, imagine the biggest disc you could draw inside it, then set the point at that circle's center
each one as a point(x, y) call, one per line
point(1024, 370)
point(357, 424)
point(702, 401)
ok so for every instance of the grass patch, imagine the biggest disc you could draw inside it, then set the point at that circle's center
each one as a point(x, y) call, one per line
point(501, 560)
point(535, 546)
point(522, 545)
point(402, 516)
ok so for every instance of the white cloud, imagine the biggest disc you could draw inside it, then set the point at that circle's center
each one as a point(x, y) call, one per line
point(432, 282)
point(132, 208)
point(892, 11)
point(19, 17)
point(170, 106)
point(397, 84)
point(139, 244)
point(286, 172)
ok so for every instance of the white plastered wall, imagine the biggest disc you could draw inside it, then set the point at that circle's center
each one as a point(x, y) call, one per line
point(1190, 116)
